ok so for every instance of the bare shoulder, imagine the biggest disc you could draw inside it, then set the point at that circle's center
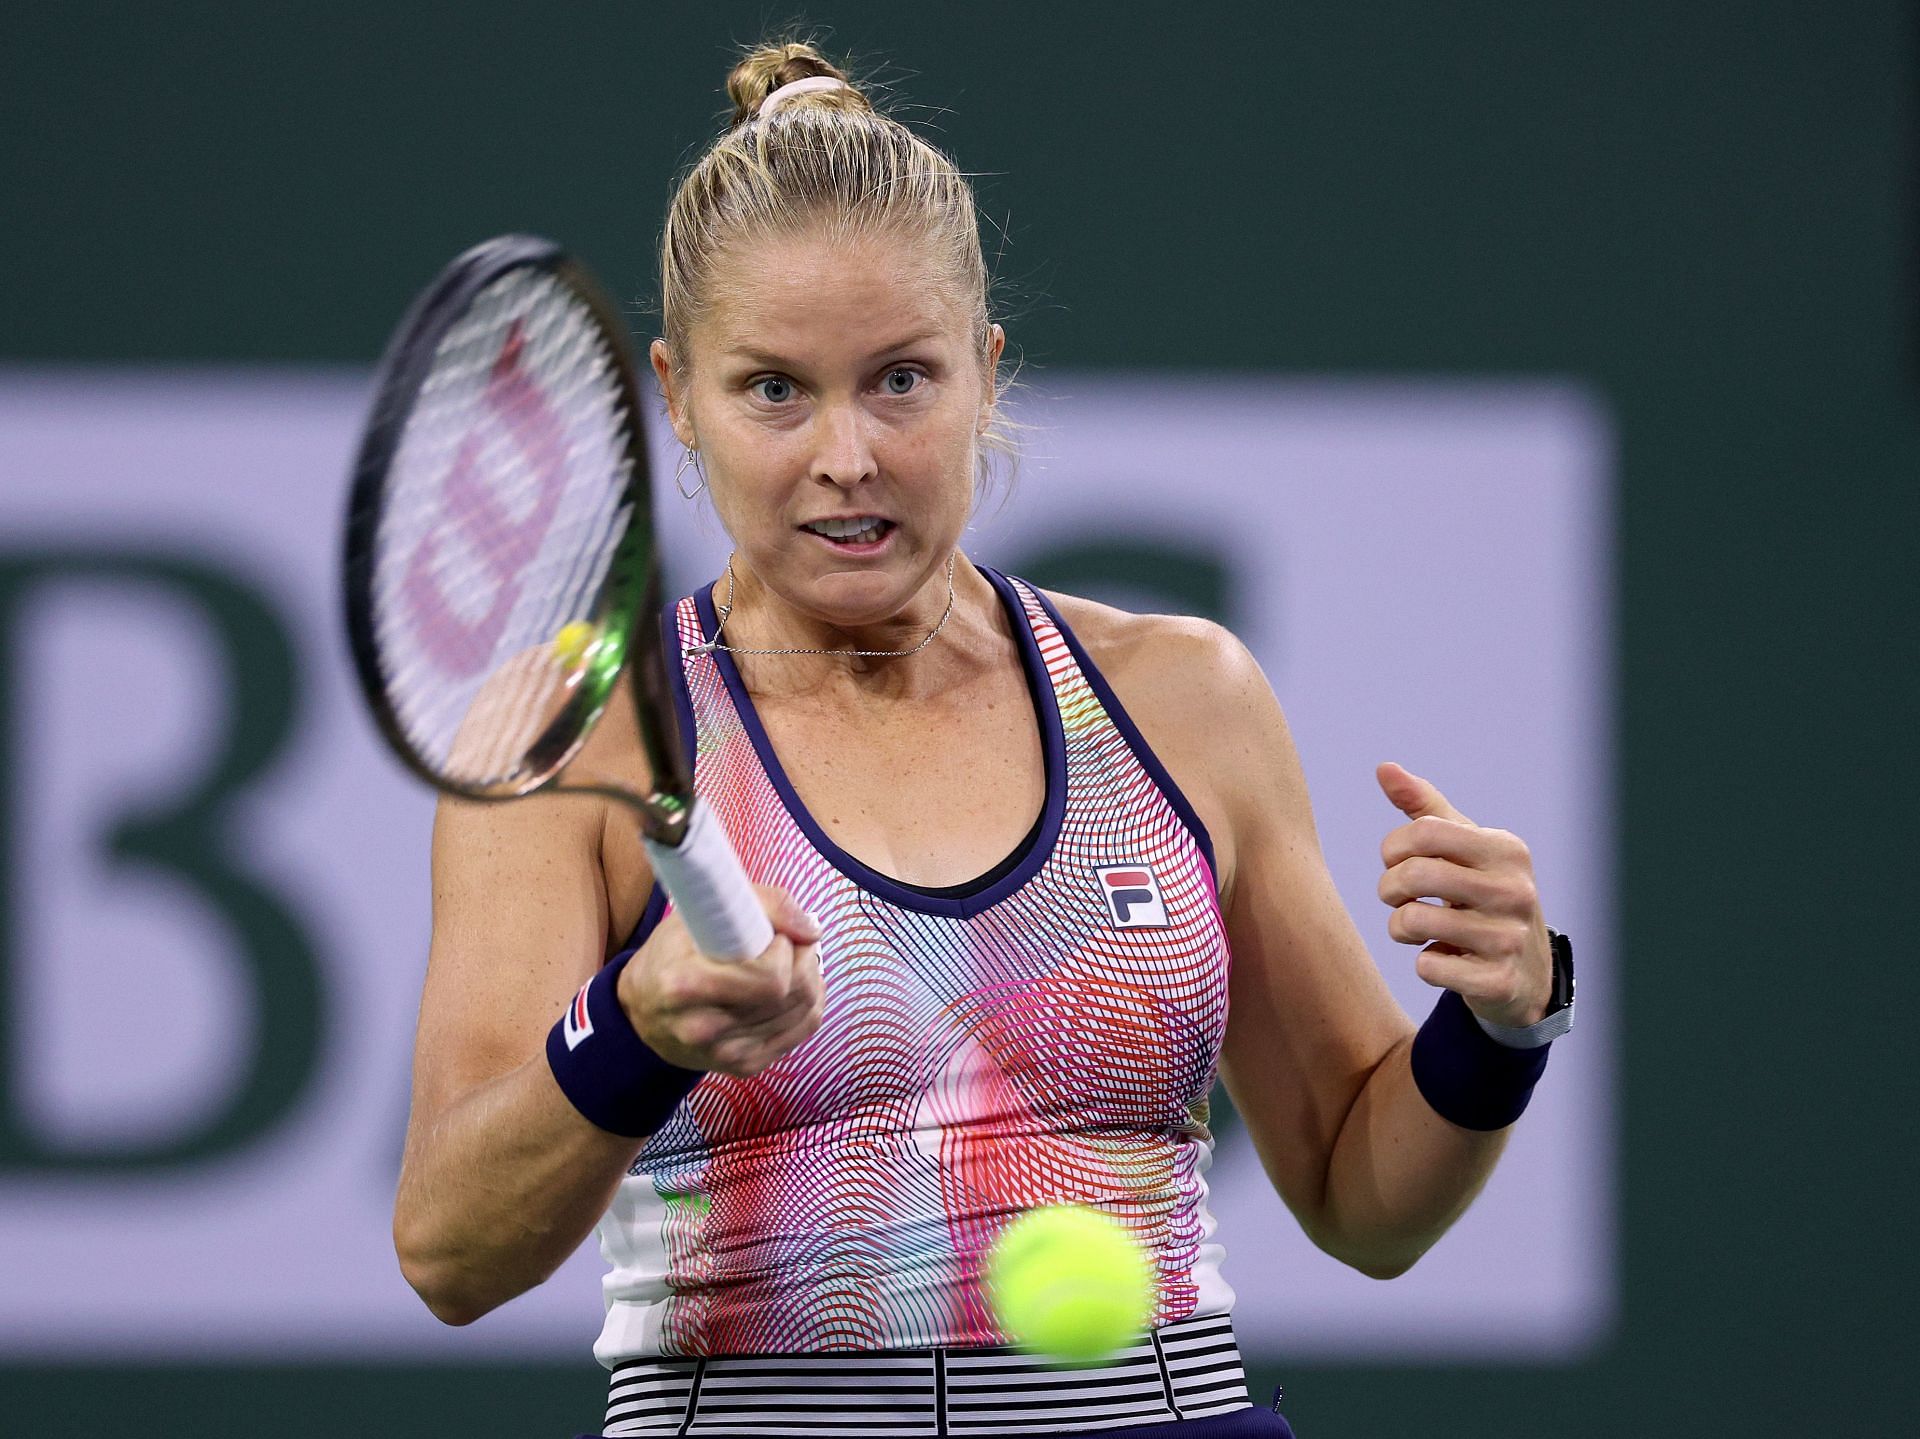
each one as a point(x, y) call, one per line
point(1199, 700)
point(1180, 668)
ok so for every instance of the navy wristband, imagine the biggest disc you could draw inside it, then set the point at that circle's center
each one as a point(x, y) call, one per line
point(1466, 1075)
point(606, 1070)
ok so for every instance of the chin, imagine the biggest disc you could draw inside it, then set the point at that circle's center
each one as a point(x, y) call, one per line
point(857, 596)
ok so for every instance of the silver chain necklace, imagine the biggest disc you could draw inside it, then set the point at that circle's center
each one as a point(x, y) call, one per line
point(726, 612)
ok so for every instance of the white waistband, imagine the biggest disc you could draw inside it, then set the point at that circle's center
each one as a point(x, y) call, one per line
point(1181, 1371)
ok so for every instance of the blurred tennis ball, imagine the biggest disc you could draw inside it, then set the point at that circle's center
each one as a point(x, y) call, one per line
point(1069, 1282)
point(570, 646)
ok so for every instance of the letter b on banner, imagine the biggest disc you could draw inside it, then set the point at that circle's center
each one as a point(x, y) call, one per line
point(177, 832)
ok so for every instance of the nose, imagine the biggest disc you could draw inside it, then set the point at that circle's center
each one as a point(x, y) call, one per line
point(843, 452)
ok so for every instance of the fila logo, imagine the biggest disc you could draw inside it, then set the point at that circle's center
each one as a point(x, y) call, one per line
point(1132, 895)
point(578, 1025)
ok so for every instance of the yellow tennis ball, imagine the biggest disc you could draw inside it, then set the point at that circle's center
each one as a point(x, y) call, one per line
point(1069, 1282)
point(571, 644)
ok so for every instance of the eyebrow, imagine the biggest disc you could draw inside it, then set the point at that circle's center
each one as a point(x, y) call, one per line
point(754, 355)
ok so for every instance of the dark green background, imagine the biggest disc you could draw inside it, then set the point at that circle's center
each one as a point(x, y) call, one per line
point(1706, 211)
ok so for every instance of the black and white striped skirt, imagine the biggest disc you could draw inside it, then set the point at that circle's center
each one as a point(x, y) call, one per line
point(1189, 1370)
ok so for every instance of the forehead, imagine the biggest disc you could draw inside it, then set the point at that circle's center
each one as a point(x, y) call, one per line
point(827, 292)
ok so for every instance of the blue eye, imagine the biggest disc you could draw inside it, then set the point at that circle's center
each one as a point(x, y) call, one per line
point(774, 389)
point(902, 381)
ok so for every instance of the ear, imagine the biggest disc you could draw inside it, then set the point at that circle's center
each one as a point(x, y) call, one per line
point(996, 346)
point(676, 399)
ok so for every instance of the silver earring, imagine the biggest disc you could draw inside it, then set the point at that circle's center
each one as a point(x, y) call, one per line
point(689, 459)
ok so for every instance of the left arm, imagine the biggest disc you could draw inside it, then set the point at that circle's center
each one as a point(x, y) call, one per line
point(1316, 1051)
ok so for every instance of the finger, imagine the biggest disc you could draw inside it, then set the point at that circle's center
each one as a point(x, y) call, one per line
point(726, 1031)
point(806, 988)
point(806, 1016)
point(787, 915)
point(1442, 970)
point(807, 979)
point(773, 982)
point(807, 994)
point(1413, 796)
point(1418, 923)
point(748, 1051)
point(1423, 877)
point(1481, 984)
point(1462, 843)
point(750, 988)
point(757, 1028)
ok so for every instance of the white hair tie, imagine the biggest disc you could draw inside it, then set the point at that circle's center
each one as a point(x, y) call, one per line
point(793, 89)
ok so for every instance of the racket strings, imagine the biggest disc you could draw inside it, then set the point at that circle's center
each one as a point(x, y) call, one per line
point(505, 504)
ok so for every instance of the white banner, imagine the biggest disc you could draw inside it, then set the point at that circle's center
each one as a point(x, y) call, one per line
point(215, 880)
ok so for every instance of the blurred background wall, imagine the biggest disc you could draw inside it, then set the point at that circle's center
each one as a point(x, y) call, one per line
point(1702, 217)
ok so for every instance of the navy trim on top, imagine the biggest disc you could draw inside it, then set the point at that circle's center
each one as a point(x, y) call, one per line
point(1053, 748)
point(1122, 721)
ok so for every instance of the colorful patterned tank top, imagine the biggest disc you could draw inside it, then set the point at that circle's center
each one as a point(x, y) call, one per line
point(1049, 1034)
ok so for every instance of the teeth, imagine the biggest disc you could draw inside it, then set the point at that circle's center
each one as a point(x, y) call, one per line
point(862, 528)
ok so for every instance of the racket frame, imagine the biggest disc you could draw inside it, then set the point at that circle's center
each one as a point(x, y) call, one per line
point(629, 597)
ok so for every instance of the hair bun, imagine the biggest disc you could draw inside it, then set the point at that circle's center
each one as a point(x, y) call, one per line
point(768, 67)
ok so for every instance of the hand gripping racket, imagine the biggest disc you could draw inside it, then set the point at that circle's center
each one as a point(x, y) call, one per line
point(500, 565)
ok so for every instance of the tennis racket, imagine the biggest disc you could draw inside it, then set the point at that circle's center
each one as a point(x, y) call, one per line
point(500, 571)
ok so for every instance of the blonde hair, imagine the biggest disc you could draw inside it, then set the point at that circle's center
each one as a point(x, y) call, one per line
point(825, 156)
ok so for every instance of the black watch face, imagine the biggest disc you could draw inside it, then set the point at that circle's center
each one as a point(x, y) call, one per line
point(1562, 972)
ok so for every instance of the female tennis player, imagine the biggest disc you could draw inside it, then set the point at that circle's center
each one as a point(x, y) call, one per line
point(1007, 840)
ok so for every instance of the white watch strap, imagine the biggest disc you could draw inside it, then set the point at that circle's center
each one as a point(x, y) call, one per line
point(1530, 1036)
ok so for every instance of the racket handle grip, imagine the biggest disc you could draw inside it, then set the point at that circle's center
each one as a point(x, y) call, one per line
point(703, 878)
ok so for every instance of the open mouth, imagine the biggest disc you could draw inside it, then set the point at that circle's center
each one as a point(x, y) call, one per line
point(852, 533)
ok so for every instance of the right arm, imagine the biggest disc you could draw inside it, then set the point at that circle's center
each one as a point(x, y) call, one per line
point(502, 1178)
